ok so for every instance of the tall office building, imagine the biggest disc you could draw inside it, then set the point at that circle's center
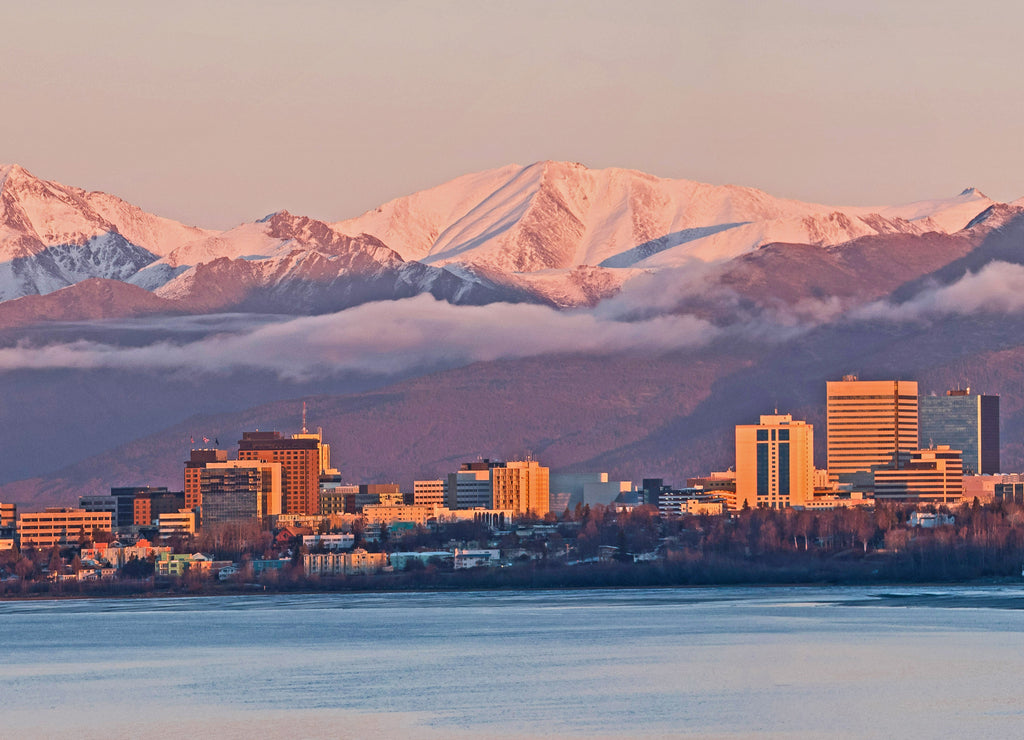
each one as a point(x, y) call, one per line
point(871, 424)
point(521, 486)
point(231, 493)
point(301, 459)
point(774, 463)
point(964, 422)
point(197, 461)
point(470, 487)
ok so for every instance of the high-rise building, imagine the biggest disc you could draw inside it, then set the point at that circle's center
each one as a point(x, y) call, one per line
point(231, 493)
point(871, 424)
point(470, 487)
point(199, 459)
point(934, 476)
point(774, 462)
point(148, 506)
point(301, 459)
point(964, 421)
point(521, 486)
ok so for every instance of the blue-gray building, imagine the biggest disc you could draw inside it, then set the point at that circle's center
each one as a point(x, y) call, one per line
point(964, 421)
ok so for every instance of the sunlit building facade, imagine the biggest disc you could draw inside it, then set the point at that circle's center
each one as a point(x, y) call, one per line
point(870, 424)
point(931, 476)
point(774, 463)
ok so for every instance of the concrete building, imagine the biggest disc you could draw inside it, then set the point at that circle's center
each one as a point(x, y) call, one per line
point(61, 526)
point(871, 424)
point(470, 487)
point(604, 493)
point(147, 507)
point(566, 490)
point(964, 421)
point(774, 462)
point(692, 501)
point(522, 487)
point(197, 461)
point(334, 499)
point(181, 523)
point(428, 492)
point(476, 558)
point(332, 542)
point(721, 483)
point(268, 484)
point(357, 562)
point(389, 514)
point(8, 515)
point(301, 458)
point(231, 492)
point(933, 476)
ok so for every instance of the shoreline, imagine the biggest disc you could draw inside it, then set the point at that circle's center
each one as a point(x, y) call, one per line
point(979, 583)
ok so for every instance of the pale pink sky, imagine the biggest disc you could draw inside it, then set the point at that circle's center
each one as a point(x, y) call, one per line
point(216, 113)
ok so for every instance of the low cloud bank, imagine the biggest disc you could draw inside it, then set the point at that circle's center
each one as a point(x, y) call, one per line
point(380, 338)
point(996, 288)
point(394, 337)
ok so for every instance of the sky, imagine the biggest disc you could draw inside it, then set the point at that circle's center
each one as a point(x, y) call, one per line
point(218, 113)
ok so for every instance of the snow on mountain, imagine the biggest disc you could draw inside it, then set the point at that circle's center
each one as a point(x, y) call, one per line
point(412, 224)
point(555, 232)
point(315, 269)
point(52, 235)
point(57, 214)
point(559, 215)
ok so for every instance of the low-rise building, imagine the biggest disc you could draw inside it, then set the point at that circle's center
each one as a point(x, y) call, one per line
point(428, 492)
point(399, 560)
point(690, 501)
point(476, 558)
point(334, 542)
point(8, 515)
point(388, 514)
point(357, 562)
point(61, 526)
point(181, 523)
point(934, 476)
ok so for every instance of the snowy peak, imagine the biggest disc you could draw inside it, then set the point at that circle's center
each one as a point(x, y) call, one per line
point(55, 214)
point(561, 215)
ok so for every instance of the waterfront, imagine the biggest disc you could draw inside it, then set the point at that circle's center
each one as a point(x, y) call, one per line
point(787, 662)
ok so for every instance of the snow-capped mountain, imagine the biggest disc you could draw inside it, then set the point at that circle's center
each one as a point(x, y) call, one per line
point(559, 215)
point(53, 236)
point(552, 232)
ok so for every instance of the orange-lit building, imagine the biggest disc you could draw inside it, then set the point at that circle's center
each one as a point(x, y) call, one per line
point(871, 424)
point(774, 463)
point(198, 460)
point(932, 476)
point(302, 458)
point(8, 515)
point(61, 526)
point(147, 507)
point(521, 486)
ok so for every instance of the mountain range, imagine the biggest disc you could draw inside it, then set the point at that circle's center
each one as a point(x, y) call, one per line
point(594, 318)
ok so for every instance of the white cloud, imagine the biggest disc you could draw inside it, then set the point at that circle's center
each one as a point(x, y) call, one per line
point(381, 338)
point(998, 287)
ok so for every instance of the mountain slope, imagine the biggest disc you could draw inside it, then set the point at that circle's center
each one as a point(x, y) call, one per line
point(558, 215)
point(90, 299)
